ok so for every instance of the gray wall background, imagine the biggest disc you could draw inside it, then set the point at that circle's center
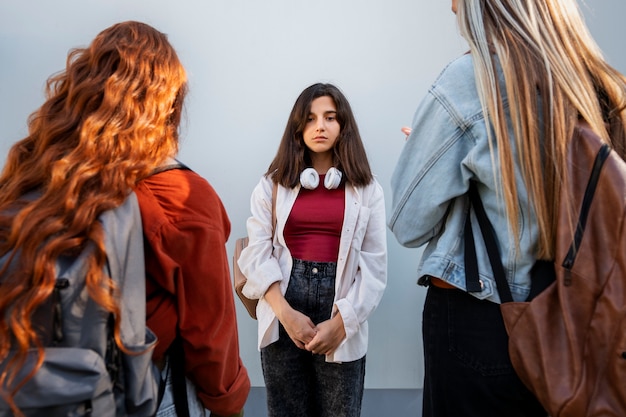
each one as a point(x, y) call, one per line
point(247, 61)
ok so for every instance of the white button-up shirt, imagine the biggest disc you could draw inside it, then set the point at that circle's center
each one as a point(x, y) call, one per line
point(361, 265)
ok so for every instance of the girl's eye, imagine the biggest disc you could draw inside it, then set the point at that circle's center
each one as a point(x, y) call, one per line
point(330, 118)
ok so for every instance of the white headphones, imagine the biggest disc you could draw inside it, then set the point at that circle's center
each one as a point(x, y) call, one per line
point(310, 179)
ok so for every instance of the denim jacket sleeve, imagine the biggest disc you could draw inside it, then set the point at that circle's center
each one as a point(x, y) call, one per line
point(437, 149)
point(448, 147)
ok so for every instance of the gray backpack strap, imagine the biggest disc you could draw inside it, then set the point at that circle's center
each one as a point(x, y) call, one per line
point(84, 372)
point(125, 255)
point(124, 247)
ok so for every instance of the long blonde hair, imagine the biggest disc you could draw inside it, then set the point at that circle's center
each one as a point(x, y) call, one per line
point(553, 71)
point(108, 120)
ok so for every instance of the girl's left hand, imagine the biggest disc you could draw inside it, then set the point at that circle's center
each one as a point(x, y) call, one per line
point(330, 334)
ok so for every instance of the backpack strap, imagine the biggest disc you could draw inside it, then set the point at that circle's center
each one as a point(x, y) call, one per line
point(176, 364)
point(125, 262)
point(590, 190)
point(489, 236)
point(169, 167)
point(472, 282)
point(543, 271)
point(274, 194)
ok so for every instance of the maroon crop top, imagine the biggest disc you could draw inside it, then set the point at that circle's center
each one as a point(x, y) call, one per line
point(313, 229)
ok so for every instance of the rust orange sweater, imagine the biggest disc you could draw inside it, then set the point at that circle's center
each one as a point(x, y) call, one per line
point(188, 284)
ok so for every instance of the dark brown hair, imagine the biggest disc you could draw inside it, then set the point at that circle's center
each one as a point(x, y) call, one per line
point(293, 156)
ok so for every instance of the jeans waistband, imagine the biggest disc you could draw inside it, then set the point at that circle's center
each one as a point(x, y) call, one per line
point(312, 268)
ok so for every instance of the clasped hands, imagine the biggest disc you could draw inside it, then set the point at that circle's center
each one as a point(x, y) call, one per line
point(321, 339)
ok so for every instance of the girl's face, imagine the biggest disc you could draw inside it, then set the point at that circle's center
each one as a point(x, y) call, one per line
point(454, 6)
point(322, 128)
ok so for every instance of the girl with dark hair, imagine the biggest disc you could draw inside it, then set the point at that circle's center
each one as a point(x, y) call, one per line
point(109, 120)
point(319, 270)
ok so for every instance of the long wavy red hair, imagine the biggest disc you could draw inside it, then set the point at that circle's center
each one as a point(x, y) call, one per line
point(109, 119)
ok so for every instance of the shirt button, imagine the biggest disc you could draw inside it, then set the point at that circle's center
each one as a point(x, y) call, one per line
point(314, 270)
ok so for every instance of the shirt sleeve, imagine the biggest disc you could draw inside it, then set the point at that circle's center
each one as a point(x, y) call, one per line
point(206, 311)
point(257, 261)
point(370, 279)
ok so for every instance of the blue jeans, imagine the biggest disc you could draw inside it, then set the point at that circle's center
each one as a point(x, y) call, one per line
point(167, 408)
point(468, 371)
point(299, 383)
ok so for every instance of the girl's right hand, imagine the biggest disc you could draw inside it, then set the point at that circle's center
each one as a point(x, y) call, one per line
point(298, 326)
point(407, 131)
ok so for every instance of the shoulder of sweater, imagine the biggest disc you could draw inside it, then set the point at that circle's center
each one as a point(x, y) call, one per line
point(179, 183)
point(176, 197)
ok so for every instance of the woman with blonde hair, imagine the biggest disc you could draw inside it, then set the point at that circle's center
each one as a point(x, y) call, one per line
point(108, 122)
point(501, 116)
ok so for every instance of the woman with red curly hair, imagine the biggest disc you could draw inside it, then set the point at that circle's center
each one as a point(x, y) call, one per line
point(109, 121)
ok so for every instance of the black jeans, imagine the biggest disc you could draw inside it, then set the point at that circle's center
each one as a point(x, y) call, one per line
point(299, 383)
point(467, 367)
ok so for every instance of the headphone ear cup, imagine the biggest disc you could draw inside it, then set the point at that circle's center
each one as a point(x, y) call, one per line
point(333, 178)
point(309, 179)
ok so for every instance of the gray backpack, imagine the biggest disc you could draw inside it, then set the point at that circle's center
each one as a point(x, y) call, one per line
point(84, 373)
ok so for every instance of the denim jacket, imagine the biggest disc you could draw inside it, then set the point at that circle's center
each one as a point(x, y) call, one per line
point(361, 265)
point(447, 148)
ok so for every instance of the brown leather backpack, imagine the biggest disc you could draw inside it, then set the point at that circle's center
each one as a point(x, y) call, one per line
point(568, 343)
